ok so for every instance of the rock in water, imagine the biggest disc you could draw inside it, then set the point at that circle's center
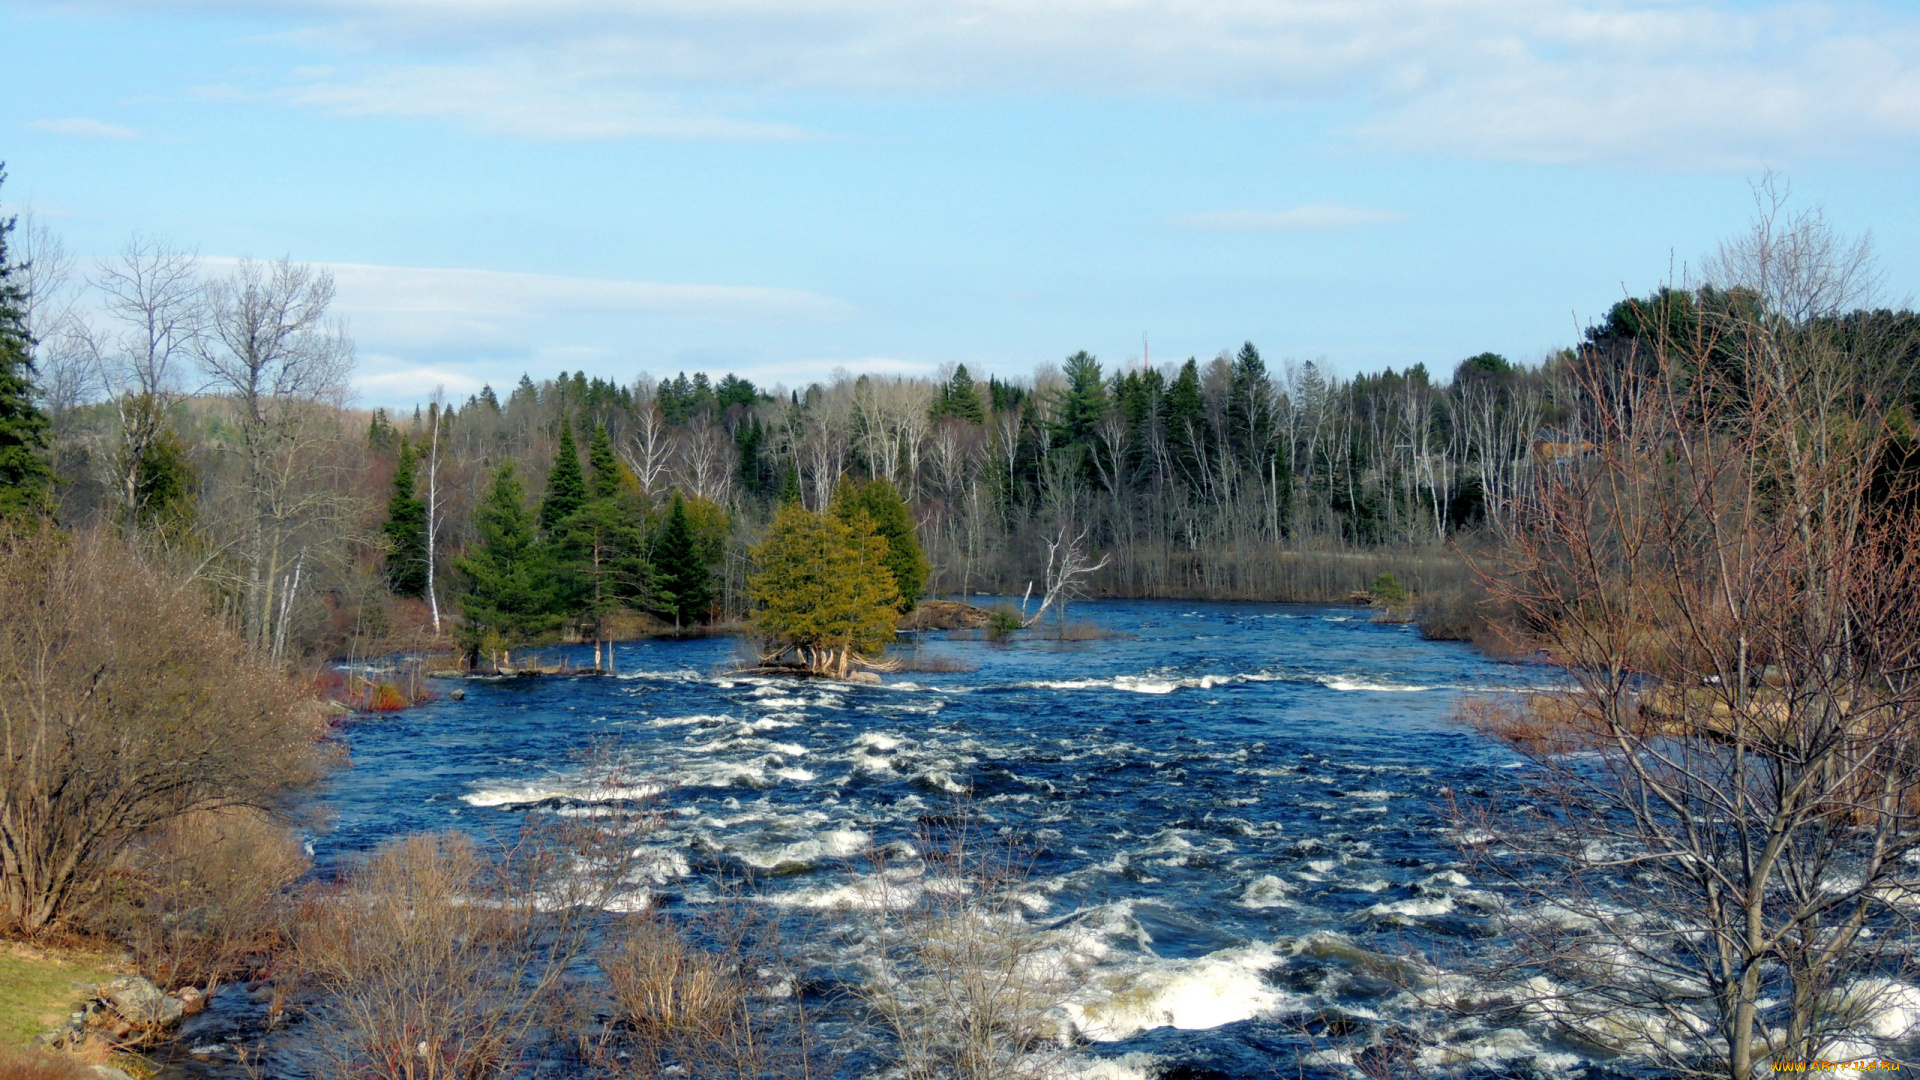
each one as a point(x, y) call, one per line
point(138, 1000)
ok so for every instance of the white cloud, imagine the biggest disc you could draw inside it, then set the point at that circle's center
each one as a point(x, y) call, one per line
point(1315, 217)
point(527, 102)
point(85, 128)
point(393, 381)
point(417, 306)
point(1669, 83)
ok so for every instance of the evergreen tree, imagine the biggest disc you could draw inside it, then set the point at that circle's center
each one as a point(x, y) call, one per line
point(603, 464)
point(880, 504)
point(25, 481)
point(1084, 401)
point(1186, 416)
point(604, 536)
point(789, 485)
point(509, 594)
point(821, 586)
point(566, 487)
point(959, 398)
point(165, 487)
point(1250, 409)
point(406, 529)
point(683, 585)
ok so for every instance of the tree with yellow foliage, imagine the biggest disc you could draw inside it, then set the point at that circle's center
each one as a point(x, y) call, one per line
point(822, 589)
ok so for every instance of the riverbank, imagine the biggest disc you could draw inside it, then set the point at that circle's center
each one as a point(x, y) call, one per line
point(41, 987)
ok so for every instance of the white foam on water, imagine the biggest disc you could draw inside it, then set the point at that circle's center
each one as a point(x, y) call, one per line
point(1194, 995)
point(689, 721)
point(1404, 911)
point(1361, 683)
point(807, 854)
point(1266, 891)
point(1134, 1066)
point(518, 793)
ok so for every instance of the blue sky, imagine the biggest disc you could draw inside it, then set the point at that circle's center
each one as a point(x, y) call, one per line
point(783, 187)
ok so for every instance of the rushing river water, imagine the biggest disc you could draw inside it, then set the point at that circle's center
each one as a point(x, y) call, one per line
point(1232, 804)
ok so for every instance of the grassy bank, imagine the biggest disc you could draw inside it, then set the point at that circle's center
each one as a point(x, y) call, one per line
point(40, 987)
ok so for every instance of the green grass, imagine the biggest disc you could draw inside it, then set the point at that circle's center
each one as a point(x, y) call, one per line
point(39, 987)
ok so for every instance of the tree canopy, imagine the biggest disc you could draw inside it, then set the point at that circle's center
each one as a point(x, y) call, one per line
point(509, 595)
point(821, 587)
point(25, 480)
point(887, 514)
point(406, 529)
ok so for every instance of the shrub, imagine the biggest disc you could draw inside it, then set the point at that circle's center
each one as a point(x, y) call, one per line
point(204, 898)
point(41, 1065)
point(123, 705)
point(434, 960)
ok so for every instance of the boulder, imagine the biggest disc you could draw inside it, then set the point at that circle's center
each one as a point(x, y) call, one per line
point(141, 1002)
point(191, 999)
point(108, 1072)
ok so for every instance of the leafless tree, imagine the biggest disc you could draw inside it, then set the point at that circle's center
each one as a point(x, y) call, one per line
point(123, 705)
point(155, 302)
point(279, 360)
point(962, 983)
point(1722, 874)
point(1068, 567)
point(649, 448)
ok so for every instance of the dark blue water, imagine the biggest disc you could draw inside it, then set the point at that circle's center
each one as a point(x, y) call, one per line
point(1231, 808)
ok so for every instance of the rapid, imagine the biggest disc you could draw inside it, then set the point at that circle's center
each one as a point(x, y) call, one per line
point(1231, 814)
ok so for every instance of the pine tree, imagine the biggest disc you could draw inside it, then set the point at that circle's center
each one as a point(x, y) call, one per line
point(1083, 402)
point(406, 529)
point(25, 481)
point(566, 487)
point(683, 585)
point(822, 587)
point(887, 514)
point(509, 592)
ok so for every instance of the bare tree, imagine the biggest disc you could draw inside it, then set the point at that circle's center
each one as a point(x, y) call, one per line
point(277, 357)
point(1068, 567)
point(438, 414)
point(153, 296)
point(650, 448)
point(1727, 580)
point(123, 705)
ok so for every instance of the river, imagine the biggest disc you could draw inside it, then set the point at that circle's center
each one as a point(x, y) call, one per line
point(1233, 805)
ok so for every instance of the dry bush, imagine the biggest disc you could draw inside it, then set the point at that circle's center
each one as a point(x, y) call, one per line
point(123, 705)
point(1540, 723)
point(206, 897)
point(665, 985)
point(714, 996)
point(42, 1065)
point(961, 985)
point(436, 961)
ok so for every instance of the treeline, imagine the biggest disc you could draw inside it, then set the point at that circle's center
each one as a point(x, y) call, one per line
point(204, 417)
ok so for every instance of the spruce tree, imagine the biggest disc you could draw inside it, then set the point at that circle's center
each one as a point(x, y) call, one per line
point(605, 534)
point(603, 465)
point(886, 512)
point(959, 398)
point(509, 586)
point(406, 529)
point(25, 481)
point(566, 487)
point(684, 587)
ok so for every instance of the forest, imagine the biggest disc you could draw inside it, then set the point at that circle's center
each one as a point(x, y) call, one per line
point(208, 417)
point(1702, 518)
